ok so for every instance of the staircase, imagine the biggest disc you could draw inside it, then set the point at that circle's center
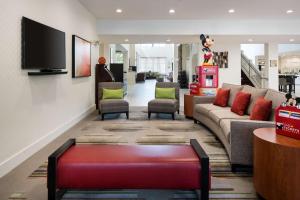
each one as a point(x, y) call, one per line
point(251, 72)
point(245, 80)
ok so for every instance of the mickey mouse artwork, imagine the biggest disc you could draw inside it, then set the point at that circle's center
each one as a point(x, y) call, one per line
point(207, 43)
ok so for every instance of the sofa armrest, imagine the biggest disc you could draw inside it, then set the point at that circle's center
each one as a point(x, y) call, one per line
point(241, 140)
point(203, 99)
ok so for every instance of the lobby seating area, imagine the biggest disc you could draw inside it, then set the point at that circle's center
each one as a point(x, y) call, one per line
point(149, 100)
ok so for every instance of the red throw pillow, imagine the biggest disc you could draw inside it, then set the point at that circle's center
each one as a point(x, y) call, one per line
point(222, 97)
point(261, 109)
point(240, 103)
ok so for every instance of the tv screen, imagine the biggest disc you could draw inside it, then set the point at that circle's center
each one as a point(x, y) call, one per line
point(43, 47)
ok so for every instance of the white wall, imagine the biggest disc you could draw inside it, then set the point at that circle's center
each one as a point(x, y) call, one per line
point(232, 74)
point(271, 52)
point(253, 50)
point(35, 110)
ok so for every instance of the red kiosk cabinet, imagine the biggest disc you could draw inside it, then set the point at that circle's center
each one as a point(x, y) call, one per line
point(208, 77)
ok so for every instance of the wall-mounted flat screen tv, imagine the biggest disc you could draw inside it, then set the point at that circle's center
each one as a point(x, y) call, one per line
point(43, 47)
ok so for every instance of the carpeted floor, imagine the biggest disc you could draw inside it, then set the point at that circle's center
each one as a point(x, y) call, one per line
point(159, 130)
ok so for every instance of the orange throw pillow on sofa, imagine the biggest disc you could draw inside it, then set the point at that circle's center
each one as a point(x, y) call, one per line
point(261, 109)
point(222, 97)
point(240, 103)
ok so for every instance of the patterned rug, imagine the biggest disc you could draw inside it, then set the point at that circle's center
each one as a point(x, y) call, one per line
point(225, 184)
point(140, 115)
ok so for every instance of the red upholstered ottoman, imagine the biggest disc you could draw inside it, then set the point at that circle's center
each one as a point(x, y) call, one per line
point(98, 167)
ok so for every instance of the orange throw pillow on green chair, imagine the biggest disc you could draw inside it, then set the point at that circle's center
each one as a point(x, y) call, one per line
point(240, 103)
point(261, 110)
point(222, 97)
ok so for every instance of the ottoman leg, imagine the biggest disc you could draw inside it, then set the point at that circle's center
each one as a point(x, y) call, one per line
point(205, 173)
point(51, 179)
point(127, 115)
point(149, 115)
point(198, 194)
point(53, 194)
point(204, 195)
point(102, 116)
point(173, 116)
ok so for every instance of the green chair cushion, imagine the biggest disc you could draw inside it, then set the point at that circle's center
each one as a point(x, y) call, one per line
point(112, 93)
point(165, 93)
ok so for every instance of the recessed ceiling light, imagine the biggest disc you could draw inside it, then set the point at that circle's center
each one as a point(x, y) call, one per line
point(292, 40)
point(289, 11)
point(172, 11)
point(250, 40)
point(126, 40)
point(231, 11)
point(119, 10)
point(168, 40)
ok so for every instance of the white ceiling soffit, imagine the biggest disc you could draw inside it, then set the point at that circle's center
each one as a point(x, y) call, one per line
point(193, 9)
point(176, 39)
point(192, 27)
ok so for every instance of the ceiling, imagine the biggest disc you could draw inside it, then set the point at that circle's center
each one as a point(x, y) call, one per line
point(193, 9)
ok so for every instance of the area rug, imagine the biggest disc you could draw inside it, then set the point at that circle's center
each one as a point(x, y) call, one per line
point(141, 114)
point(225, 184)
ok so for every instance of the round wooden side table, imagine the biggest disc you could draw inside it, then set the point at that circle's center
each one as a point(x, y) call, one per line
point(276, 165)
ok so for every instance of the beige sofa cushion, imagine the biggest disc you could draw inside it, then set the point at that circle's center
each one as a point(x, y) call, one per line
point(234, 89)
point(206, 108)
point(217, 115)
point(255, 94)
point(277, 98)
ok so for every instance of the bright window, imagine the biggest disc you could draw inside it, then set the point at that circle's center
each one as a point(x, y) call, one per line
point(153, 64)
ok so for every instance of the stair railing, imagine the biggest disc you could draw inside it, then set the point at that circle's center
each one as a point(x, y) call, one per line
point(253, 74)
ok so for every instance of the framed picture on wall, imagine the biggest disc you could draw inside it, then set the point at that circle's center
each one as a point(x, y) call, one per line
point(220, 59)
point(81, 57)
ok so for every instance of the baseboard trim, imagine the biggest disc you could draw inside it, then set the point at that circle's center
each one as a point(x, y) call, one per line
point(12, 162)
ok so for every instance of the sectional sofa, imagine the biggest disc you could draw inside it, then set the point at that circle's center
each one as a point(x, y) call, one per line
point(235, 131)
